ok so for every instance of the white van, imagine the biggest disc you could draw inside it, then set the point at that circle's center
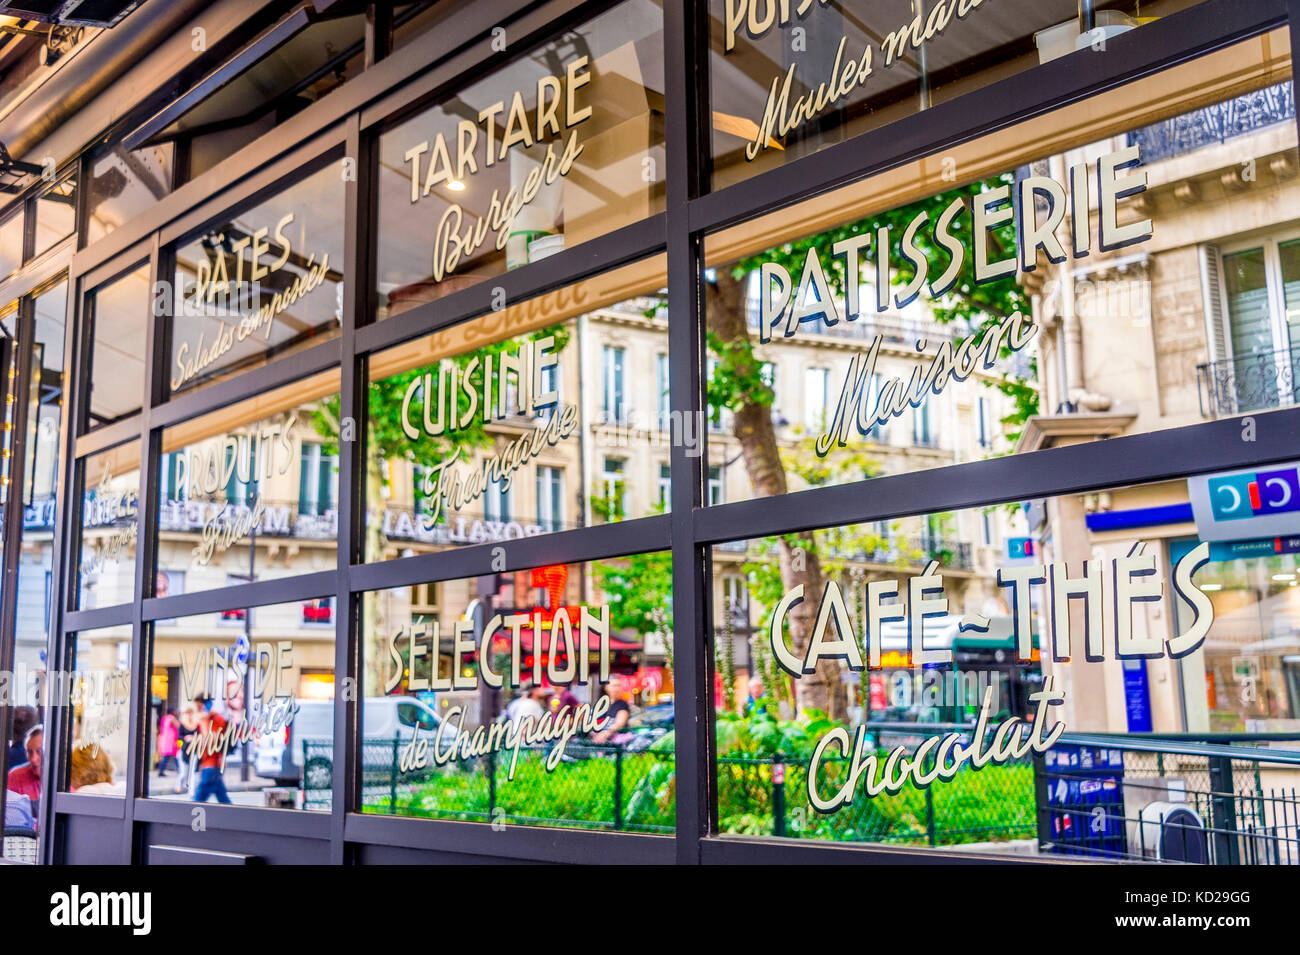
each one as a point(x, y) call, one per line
point(279, 756)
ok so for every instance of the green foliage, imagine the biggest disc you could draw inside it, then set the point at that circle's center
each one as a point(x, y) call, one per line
point(737, 377)
point(993, 803)
point(997, 802)
point(385, 435)
point(639, 591)
point(972, 306)
point(852, 463)
point(608, 500)
point(762, 733)
point(579, 792)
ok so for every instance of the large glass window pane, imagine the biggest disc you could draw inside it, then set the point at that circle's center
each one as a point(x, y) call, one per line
point(1250, 673)
point(40, 479)
point(496, 429)
point(540, 696)
point(856, 651)
point(265, 283)
point(100, 701)
point(559, 147)
point(242, 706)
point(1289, 256)
point(124, 184)
point(306, 67)
point(1246, 279)
point(33, 326)
point(56, 214)
point(110, 522)
point(11, 243)
point(247, 492)
point(788, 79)
point(118, 315)
point(993, 302)
point(27, 685)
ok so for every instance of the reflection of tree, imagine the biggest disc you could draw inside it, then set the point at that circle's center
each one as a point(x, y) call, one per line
point(387, 440)
point(638, 590)
point(737, 384)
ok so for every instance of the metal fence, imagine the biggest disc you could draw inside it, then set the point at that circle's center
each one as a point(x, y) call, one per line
point(608, 786)
point(1171, 799)
point(593, 786)
point(1216, 123)
point(1256, 382)
point(768, 795)
point(1108, 797)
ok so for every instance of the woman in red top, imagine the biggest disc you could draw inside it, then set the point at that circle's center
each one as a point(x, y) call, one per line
point(211, 756)
point(26, 779)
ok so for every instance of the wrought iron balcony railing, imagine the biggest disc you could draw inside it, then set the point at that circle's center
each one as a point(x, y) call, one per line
point(1215, 124)
point(1246, 383)
point(891, 550)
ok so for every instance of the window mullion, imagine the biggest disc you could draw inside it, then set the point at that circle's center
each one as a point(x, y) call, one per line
point(685, 70)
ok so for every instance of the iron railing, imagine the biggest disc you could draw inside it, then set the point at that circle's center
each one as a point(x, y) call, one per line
point(1215, 124)
point(892, 327)
point(594, 786)
point(1109, 797)
point(892, 550)
point(1257, 382)
point(1150, 798)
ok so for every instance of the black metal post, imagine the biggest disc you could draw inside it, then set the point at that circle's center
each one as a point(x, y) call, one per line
point(392, 779)
point(1223, 814)
point(778, 795)
point(618, 788)
point(244, 774)
point(686, 34)
point(1042, 814)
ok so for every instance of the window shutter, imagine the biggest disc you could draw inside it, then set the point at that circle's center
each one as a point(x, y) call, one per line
point(1216, 315)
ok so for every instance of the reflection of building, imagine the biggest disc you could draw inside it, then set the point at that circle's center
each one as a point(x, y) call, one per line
point(806, 372)
point(542, 495)
point(558, 488)
point(290, 506)
point(1200, 322)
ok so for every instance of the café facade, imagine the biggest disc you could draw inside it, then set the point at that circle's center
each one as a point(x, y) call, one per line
point(667, 432)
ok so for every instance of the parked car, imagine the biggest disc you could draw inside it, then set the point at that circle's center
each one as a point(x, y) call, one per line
point(278, 756)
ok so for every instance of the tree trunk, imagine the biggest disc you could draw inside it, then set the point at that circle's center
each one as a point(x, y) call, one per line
point(725, 311)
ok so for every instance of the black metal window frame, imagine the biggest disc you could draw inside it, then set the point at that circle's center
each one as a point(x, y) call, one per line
point(347, 123)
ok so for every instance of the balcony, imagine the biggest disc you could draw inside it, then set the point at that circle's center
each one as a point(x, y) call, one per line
point(893, 328)
point(1216, 123)
point(954, 555)
point(1258, 382)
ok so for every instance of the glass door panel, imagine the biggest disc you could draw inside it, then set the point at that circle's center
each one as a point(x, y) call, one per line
point(1245, 276)
point(1289, 255)
point(32, 366)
